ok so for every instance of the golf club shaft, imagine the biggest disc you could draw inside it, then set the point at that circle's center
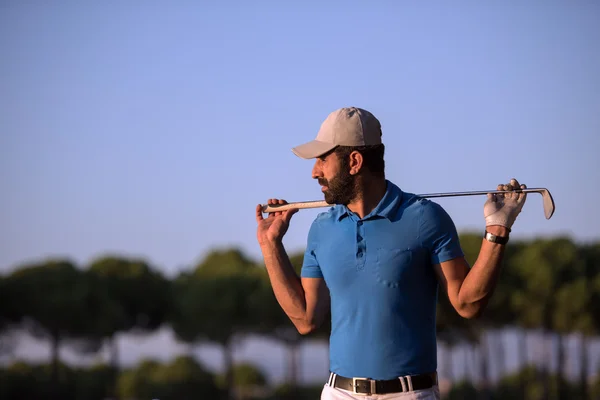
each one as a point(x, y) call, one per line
point(267, 208)
point(481, 192)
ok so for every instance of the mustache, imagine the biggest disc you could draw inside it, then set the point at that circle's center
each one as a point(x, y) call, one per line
point(322, 182)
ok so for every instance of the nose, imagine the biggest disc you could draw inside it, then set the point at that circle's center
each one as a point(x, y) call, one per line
point(317, 172)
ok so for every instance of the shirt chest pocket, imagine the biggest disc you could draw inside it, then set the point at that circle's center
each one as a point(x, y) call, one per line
point(395, 267)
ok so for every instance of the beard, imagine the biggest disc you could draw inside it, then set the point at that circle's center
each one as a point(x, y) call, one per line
point(341, 189)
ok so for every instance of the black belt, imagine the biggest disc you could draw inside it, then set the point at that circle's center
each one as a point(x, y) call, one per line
point(370, 386)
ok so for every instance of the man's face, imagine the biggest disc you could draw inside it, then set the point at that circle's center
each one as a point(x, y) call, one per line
point(338, 185)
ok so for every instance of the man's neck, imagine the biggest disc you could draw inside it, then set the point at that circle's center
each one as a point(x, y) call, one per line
point(370, 194)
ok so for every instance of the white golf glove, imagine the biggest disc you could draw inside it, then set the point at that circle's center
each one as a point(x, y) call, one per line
point(503, 208)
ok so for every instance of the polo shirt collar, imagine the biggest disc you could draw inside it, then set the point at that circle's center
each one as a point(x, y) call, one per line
point(387, 205)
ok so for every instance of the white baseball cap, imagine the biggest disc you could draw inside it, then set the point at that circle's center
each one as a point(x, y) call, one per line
point(348, 126)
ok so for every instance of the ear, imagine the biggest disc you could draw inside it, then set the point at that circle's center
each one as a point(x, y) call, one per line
point(356, 162)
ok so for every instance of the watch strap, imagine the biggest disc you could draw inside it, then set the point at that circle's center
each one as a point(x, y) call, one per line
point(495, 238)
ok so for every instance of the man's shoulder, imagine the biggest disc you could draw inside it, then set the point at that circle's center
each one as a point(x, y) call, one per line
point(406, 199)
point(327, 218)
point(426, 208)
point(416, 203)
point(330, 215)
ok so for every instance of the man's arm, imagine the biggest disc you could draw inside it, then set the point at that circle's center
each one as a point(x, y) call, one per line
point(304, 300)
point(469, 290)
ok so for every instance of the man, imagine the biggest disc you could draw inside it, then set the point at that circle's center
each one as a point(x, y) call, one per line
point(375, 259)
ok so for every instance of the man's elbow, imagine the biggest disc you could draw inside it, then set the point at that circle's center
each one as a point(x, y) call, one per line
point(306, 327)
point(470, 311)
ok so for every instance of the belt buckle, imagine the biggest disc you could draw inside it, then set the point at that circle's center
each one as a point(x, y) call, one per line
point(406, 382)
point(372, 385)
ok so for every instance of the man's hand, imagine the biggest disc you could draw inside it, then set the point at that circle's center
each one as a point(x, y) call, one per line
point(273, 228)
point(502, 208)
point(304, 300)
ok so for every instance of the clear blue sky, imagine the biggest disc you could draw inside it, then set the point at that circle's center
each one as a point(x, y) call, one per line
point(153, 129)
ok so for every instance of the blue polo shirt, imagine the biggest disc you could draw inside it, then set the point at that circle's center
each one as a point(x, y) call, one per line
point(382, 284)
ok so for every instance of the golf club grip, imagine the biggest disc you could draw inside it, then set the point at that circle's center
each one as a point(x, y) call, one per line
point(269, 208)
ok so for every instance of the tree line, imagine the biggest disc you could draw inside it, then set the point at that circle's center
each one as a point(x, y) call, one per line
point(551, 285)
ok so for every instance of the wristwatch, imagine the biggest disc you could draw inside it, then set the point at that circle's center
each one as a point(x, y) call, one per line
point(495, 239)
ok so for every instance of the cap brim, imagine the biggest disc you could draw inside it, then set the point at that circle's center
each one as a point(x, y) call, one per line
point(313, 149)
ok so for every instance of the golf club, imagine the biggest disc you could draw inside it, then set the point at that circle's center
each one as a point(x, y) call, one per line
point(547, 199)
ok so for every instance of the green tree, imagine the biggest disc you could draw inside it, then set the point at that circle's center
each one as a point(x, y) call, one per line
point(94, 382)
point(463, 390)
point(284, 331)
point(138, 300)
point(543, 267)
point(141, 295)
point(572, 314)
point(578, 309)
point(57, 304)
point(224, 261)
point(11, 315)
point(138, 382)
point(217, 302)
point(181, 379)
point(497, 315)
point(248, 379)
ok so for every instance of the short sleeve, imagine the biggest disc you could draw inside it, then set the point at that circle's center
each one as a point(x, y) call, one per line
point(310, 265)
point(438, 233)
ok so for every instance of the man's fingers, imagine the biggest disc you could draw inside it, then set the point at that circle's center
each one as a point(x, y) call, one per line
point(500, 196)
point(508, 187)
point(522, 196)
point(259, 213)
point(512, 185)
point(287, 215)
point(281, 202)
point(271, 202)
point(276, 202)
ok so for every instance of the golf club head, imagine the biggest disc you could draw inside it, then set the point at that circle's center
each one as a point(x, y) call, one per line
point(548, 203)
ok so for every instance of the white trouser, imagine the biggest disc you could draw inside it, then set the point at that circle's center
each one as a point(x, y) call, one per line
point(332, 393)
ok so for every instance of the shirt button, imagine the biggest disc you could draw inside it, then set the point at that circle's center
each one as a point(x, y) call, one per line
point(359, 223)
